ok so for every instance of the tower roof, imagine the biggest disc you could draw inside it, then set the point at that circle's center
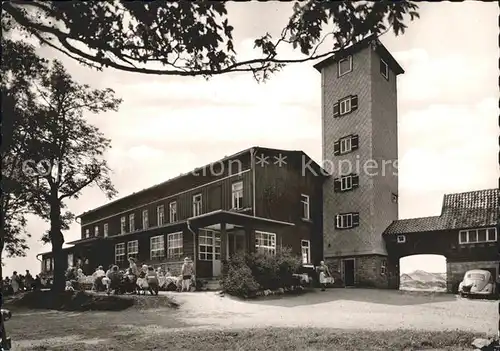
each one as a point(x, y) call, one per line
point(360, 45)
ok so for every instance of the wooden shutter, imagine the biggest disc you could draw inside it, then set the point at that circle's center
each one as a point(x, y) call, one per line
point(354, 102)
point(336, 221)
point(355, 219)
point(354, 142)
point(336, 110)
point(336, 185)
point(355, 181)
point(336, 148)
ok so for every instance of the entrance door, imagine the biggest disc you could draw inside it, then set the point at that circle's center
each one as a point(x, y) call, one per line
point(348, 271)
point(216, 261)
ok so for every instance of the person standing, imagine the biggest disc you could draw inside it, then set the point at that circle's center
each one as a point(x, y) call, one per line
point(28, 281)
point(187, 273)
point(324, 273)
point(14, 282)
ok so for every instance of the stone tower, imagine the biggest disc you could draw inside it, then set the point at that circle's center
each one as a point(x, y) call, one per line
point(360, 143)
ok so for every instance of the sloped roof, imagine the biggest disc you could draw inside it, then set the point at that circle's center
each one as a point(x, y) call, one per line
point(471, 209)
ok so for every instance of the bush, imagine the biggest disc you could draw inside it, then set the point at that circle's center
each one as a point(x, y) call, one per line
point(245, 274)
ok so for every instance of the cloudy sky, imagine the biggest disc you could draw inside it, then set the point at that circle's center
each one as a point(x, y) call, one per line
point(448, 108)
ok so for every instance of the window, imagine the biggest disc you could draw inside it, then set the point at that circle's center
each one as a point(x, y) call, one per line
point(346, 183)
point(304, 199)
point(47, 265)
point(131, 222)
point(346, 220)
point(123, 225)
point(209, 245)
point(346, 144)
point(401, 239)
point(383, 267)
point(306, 251)
point(172, 212)
point(119, 253)
point(105, 230)
point(345, 106)
point(265, 242)
point(133, 248)
point(174, 245)
point(145, 219)
point(87, 233)
point(157, 247)
point(384, 69)
point(96, 230)
point(197, 205)
point(344, 66)
point(160, 212)
point(70, 260)
point(237, 190)
point(473, 236)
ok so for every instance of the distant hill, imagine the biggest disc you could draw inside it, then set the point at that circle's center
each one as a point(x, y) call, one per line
point(422, 280)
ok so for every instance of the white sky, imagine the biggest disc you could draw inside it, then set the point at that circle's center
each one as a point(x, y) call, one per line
point(447, 114)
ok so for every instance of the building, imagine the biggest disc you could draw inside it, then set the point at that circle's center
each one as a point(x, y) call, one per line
point(257, 199)
point(359, 120)
point(465, 233)
point(345, 213)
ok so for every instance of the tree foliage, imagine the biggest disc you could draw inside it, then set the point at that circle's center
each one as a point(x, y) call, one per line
point(195, 38)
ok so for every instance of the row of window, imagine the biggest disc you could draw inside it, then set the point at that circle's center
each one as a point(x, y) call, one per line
point(237, 203)
point(345, 66)
point(209, 246)
point(475, 236)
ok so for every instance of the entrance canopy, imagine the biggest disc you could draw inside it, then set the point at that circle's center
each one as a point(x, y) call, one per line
point(235, 219)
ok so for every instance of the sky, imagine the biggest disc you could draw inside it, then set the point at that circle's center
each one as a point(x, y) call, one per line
point(447, 123)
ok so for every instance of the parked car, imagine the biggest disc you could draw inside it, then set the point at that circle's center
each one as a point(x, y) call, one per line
point(4, 339)
point(477, 282)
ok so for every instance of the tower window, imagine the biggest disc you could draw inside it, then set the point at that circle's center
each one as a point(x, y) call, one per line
point(347, 220)
point(346, 144)
point(346, 183)
point(345, 106)
point(384, 69)
point(344, 66)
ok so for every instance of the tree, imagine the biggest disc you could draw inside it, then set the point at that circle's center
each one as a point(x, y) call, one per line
point(20, 65)
point(67, 152)
point(194, 38)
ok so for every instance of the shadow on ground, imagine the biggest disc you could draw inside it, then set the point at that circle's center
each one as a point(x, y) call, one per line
point(385, 297)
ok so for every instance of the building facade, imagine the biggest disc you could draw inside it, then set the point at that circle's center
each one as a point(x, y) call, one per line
point(258, 199)
point(359, 127)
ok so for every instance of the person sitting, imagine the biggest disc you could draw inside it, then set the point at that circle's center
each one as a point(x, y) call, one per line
point(152, 279)
point(98, 275)
point(142, 282)
point(114, 279)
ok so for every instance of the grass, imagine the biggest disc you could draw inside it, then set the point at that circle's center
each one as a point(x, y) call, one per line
point(157, 329)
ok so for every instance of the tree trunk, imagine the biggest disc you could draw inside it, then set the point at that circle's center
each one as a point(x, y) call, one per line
point(57, 240)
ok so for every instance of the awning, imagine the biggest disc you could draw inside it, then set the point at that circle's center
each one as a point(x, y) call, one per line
point(85, 241)
point(235, 218)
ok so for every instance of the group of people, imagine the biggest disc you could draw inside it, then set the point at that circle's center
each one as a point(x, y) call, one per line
point(131, 280)
point(19, 282)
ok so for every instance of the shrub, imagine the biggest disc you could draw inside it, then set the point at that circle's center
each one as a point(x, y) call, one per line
point(245, 274)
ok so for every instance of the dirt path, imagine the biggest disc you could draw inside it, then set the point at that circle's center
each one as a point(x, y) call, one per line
point(341, 308)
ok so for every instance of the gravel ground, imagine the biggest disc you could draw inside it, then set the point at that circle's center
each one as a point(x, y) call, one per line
point(342, 308)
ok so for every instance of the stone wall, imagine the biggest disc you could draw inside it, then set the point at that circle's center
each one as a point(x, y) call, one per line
point(455, 271)
point(368, 272)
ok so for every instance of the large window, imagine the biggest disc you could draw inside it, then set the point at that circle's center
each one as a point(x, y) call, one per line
point(70, 260)
point(237, 191)
point(174, 245)
point(123, 225)
point(131, 222)
point(209, 245)
point(172, 212)
point(133, 248)
point(160, 210)
point(157, 247)
point(47, 265)
point(96, 231)
point(87, 233)
point(145, 219)
point(304, 199)
point(306, 251)
point(197, 205)
point(473, 236)
point(119, 253)
point(265, 242)
point(105, 230)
